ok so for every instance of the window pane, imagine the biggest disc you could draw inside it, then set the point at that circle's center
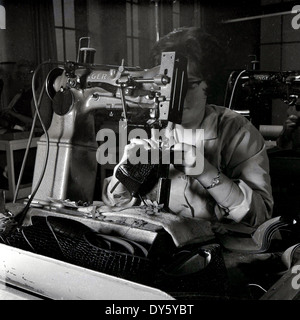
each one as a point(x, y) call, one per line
point(70, 45)
point(136, 53)
point(129, 51)
point(270, 57)
point(176, 14)
point(289, 34)
point(267, 24)
point(69, 13)
point(135, 18)
point(59, 44)
point(57, 12)
point(176, 7)
point(176, 20)
point(290, 56)
point(128, 18)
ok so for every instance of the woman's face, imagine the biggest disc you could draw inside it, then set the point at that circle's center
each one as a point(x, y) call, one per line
point(195, 102)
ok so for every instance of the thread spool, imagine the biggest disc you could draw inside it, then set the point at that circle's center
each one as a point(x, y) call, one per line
point(270, 132)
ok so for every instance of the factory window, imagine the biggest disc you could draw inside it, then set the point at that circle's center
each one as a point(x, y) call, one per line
point(146, 22)
point(132, 32)
point(65, 31)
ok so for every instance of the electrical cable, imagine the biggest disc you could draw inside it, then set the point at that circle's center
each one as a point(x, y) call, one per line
point(20, 217)
point(257, 285)
point(226, 91)
point(234, 88)
point(28, 147)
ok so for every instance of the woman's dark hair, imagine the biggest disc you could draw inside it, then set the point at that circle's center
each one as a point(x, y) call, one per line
point(205, 55)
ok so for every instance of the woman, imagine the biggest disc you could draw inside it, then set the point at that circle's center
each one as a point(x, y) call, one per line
point(234, 185)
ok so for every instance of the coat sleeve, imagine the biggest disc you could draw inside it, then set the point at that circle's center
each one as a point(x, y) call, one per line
point(248, 167)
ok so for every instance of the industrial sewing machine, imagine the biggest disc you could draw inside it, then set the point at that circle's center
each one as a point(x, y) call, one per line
point(251, 92)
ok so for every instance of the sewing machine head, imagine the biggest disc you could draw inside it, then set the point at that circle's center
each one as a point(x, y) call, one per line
point(259, 85)
point(158, 93)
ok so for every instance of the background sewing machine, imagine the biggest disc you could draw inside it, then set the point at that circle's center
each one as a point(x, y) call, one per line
point(263, 97)
point(251, 92)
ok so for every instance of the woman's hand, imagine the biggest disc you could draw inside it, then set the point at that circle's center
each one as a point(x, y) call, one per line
point(137, 151)
point(134, 152)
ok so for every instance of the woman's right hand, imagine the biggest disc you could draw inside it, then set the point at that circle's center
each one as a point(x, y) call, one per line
point(131, 151)
point(136, 151)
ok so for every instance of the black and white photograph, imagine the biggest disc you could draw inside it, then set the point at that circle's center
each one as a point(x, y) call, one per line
point(150, 153)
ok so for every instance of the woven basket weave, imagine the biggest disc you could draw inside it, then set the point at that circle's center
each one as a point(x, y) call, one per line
point(70, 241)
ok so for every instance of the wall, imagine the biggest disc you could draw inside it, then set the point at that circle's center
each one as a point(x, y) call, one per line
point(239, 40)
